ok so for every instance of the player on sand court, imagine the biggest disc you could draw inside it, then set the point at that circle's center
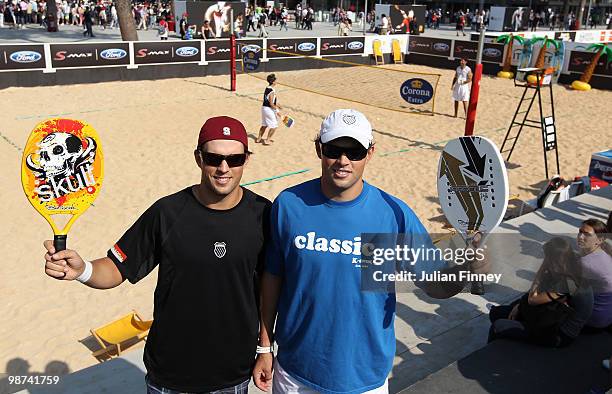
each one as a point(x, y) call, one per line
point(461, 85)
point(332, 336)
point(208, 240)
point(269, 112)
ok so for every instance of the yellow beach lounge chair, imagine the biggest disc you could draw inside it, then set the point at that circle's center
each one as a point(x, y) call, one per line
point(397, 52)
point(112, 335)
point(378, 54)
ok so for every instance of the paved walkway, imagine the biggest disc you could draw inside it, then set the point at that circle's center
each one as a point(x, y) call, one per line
point(507, 367)
point(35, 33)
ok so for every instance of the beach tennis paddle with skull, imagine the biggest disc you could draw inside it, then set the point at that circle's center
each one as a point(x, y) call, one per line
point(62, 172)
point(472, 185)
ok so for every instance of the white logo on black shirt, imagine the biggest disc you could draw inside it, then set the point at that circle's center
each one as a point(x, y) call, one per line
point(220, 249)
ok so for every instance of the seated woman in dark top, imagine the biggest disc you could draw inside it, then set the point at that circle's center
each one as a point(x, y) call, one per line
point(556, 307)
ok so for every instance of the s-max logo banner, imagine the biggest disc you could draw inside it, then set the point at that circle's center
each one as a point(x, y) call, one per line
point(88, 55)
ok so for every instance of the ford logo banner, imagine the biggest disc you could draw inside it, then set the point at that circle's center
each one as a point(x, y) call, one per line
point(355, 45)
point(491, 52)
point(113, 54)
point(187, 51)
point(251, 48)
point(25, 57)
point(441, 47)
point(306, 47)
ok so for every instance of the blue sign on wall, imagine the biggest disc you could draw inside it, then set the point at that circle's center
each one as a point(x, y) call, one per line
point(250, 60)
point(416, 91)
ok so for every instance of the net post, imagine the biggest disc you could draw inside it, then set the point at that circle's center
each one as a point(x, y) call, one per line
point(471, 115)
point(232, 53)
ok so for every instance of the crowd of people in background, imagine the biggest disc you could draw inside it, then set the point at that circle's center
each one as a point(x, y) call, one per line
point(522, 19)
point(549, 19)
point(18, 14)
point(155, 15)
point(256, 19)
point(260, 18)
point(408, 25)
point(341, 19)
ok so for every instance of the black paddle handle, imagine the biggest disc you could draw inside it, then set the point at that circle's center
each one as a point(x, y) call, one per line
point(59, 242)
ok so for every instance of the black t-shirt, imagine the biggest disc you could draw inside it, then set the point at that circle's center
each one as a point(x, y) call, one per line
point(205, 327)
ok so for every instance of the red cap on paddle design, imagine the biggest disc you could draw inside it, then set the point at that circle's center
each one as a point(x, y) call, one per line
point(223, 128)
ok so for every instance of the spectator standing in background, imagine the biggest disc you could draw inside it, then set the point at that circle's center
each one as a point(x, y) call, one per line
point(460, 23)
point(88, 20)
point(480, 20)
point(384, 25)
point(238, 23)
point(343, 27)
point(283, 19)
point(248, 12)
point(309, 18)
point(163, 29)
point(261, 24)
point(207, 31)
point(298, 15)
point(102, 17)
point(115, 18)
point(551, 20)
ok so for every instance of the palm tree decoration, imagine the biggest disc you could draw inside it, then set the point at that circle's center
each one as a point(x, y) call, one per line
point(508, 40)
point(546, 42)
point(602, 49)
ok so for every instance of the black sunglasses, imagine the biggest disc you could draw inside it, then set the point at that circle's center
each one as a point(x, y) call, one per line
point(335, 152)
point(215, 160)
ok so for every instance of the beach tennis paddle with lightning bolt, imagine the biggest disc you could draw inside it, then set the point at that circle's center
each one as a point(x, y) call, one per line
point(472, 185)
point(62, 172)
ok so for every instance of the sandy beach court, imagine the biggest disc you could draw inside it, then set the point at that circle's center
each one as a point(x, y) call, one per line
point(148, 131)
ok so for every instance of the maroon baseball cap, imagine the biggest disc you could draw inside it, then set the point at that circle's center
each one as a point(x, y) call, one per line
point(223, 128)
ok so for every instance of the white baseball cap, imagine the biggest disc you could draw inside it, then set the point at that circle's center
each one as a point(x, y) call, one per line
point(346, 123)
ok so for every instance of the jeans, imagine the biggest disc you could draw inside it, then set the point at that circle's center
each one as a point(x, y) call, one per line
point(262, 30)
point(241, 388)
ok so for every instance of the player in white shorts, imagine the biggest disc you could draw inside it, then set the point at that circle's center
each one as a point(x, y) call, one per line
point(461, 85)
point(269, 112)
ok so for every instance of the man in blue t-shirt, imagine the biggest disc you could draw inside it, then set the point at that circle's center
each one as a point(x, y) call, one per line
point(332, 336)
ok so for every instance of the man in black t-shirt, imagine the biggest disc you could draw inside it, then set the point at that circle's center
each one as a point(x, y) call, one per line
point(208, 241)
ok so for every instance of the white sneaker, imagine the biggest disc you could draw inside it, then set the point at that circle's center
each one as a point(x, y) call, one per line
point(606, 363)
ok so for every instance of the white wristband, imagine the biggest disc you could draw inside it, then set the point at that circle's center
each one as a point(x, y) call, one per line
point(87, 272)
point(264, 349)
